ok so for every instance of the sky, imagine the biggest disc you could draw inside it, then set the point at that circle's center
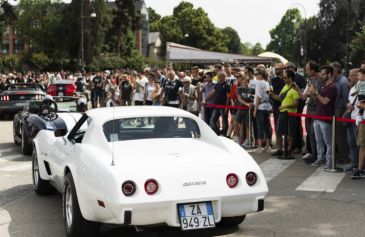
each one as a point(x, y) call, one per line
point(252, 19)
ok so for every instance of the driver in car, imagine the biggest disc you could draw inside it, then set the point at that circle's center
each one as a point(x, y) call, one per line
point(46, 104)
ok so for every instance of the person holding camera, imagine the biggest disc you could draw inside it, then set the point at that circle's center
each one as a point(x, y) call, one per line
point(289, 99)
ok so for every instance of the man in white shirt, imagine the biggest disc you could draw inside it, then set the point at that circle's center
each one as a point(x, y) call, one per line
point(139, 90)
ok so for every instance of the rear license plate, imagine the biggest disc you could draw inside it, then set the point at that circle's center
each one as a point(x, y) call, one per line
point(196, 216)
point(20, 104)
point(60, 93)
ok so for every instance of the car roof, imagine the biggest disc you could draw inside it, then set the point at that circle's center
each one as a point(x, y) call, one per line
point(61, 82)
point(109, 113)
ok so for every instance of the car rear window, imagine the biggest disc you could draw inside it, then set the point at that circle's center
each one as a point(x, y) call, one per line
point(150, 128)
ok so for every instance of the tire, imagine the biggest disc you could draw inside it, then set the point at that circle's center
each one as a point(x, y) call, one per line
point(231, 221)
point(15, 135)
point(41, 187)
point(27, 148)
point(75, 224)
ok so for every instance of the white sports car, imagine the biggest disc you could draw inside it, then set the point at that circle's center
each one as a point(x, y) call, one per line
point(144, 166)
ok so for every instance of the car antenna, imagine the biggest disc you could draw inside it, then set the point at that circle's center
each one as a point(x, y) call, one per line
point(113, 138)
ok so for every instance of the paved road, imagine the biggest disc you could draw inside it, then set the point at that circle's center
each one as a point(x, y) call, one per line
point(303, 201)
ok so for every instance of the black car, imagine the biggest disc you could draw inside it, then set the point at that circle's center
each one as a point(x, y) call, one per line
point(38, 115)
point(16, 96)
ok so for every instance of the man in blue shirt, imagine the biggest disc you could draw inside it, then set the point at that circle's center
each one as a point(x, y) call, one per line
point(341, 82)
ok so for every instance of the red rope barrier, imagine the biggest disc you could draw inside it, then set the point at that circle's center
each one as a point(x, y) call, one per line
point(327, 118)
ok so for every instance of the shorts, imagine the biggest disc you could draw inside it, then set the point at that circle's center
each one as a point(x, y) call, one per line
point(280, 126)
point(361, 136)
point(233, 111)
point(242, 116)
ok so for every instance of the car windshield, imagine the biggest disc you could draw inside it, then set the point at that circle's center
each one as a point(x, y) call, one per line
point(66, 106)
point(150, 127)
point(17, 87)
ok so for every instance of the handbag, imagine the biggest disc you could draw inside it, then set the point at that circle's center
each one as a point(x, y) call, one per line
point(347, 115)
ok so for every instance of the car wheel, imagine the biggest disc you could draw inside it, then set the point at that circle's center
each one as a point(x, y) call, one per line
point(41, 186)
point(15, 134)
point(231, 221)
point(75, 224)
point(26, 146)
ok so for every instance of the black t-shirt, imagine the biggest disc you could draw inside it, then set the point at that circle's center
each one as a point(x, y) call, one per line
point(195, 82)
point(171, 89)
point(246, 94)
point(221, 91)
point(96, 82)
point(277, 85)
point(126, 90)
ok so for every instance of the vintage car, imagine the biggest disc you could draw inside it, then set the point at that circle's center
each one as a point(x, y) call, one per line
point(42, 114)
point(62, 88)
point(143, 166)
point(16, 96)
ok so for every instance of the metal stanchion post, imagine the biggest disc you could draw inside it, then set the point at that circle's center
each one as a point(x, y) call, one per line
point(286, 155)
point(249, 128)
point(333, 164)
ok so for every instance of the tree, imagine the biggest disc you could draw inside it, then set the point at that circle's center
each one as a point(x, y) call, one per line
point(257, 49)
point(358, 48)
point(234, 41)
point(285, 37)
point(153, 20)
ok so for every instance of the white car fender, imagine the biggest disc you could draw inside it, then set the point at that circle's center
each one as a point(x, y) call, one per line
point(42, 168)
point(84, 208)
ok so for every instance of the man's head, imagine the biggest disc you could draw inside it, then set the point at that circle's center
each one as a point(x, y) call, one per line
point(311, 69)
point(337, 67)
point(327, 72)
point(218, 68)
point(195, 71)
point(227, 68)
point(353, 76)
point(289, 77)
point(290, 66)
point(222, 76)
point(181, 75)
point(208, 77)
point(171, 74)
point(279, 69)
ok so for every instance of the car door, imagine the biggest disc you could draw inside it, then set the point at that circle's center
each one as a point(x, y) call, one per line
point(64, 146)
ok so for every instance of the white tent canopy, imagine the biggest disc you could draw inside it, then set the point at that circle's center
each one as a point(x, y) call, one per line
point(177, 53)
point(273, 55)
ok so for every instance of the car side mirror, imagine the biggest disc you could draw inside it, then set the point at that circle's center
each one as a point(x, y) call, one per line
point(60, 132)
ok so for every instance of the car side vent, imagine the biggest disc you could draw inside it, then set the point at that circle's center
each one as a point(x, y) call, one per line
point(46, 164)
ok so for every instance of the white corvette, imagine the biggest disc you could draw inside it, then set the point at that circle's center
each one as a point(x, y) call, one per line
point(144, 166)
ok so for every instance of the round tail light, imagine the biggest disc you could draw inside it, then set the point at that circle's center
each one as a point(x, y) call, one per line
point(232, 180)
point(251, 178)
point(151, 186)
point(128, 188)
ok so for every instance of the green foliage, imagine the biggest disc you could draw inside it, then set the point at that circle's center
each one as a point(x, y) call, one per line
point(153, 20)
point(358, 47)
point(234, 41)
point(285, 37)
point(40, 60)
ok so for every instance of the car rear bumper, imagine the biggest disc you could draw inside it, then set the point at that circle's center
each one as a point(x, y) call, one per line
point(145, 214)
point(12, 106)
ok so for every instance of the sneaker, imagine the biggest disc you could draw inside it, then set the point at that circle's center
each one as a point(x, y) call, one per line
point(277, 153)
point(350, 170)
point(258, 150)
point(327, 168)
point(358, 174)
point(317, 163)
point(307, 156)
point(267, 149)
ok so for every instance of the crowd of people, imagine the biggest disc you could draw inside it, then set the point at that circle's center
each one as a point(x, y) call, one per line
point(238, 103)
